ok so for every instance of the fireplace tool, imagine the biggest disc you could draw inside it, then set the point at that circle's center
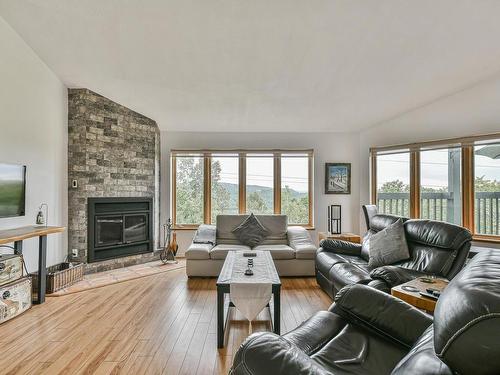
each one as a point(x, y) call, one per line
point(167, 254)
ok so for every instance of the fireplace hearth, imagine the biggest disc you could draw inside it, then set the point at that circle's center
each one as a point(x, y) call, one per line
point(119, 227)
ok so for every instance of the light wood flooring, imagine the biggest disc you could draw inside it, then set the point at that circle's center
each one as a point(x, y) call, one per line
point(165, 323)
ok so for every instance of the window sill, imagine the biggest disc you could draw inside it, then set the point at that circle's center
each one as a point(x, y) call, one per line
point(486, 238)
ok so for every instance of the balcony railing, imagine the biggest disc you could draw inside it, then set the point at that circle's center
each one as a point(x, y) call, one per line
point(440, 206)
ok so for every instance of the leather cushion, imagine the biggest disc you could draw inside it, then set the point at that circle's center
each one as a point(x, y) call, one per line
point(421, 359)
point(251, 232)
point(325, 261)
point(343, 274)
point(220, 251)
point(278, 251)
point(199, 251)
point(467, 318)
point(382, 221)
point(436, 233)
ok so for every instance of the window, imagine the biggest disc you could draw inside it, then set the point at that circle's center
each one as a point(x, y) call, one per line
point(260, 184)
point(393, 184)
point(224, 185)
point(295, 188)
point(440, 185)
point(188, 189)
point(455, 180)
point(487, 189)
point(208, 183)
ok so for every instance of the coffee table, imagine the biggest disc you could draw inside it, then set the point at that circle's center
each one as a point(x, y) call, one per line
point(224, 286)
point(414, 298)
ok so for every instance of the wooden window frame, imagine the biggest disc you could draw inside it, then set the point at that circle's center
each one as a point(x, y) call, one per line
point(467, 178)
point(242, 158)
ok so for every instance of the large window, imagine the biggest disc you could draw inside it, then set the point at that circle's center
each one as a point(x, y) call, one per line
point(440, 185)
point(487, 189)
point(260, 184)
point(456, 180)
point(393, 183)
point(209, 183)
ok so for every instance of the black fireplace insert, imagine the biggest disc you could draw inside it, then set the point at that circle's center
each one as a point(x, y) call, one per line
point(119, 227)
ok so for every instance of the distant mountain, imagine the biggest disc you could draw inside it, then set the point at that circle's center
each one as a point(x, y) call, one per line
point(264, 191)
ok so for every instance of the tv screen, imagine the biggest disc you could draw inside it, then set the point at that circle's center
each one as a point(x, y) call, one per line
point(12, 190)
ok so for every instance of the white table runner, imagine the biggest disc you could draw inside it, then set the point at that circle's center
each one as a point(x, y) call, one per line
point(250, 294)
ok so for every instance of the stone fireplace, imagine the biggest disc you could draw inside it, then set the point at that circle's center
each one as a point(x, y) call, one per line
point(113, 152)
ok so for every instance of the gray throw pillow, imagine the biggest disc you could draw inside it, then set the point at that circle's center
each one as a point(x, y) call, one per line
point(388, 246)
point(251, 232)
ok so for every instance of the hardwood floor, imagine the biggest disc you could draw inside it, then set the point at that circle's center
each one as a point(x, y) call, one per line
point(164, 323)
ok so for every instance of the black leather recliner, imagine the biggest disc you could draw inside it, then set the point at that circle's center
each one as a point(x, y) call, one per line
point(436, 248)
point(367, 331)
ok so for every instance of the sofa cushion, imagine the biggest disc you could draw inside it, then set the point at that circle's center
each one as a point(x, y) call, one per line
point(388, 246)
point(199, 251)
point(300, 241)
point(343, 274)
point(278, 251)
point(325, 261)
point(275, 224)
point(251, 232)
point(305, 253)
point(220, 251)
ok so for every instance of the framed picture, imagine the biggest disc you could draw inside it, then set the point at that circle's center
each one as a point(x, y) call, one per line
point(338, 178)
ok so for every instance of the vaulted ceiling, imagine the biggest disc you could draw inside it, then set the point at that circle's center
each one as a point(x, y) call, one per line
point(264, 65)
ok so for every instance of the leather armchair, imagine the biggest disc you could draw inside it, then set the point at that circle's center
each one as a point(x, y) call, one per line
point(436, 248)
point(367, 331)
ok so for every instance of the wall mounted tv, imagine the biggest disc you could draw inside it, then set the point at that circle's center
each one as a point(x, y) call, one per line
point(12, 190)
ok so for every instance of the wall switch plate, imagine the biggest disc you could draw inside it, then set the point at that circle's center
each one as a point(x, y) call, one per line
point(74, 253)
point(74, 184)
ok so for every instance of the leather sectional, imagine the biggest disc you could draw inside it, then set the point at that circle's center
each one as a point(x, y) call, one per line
point(436, 248)
point(367, 331)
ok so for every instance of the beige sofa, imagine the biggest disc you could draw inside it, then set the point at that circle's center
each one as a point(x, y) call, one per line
point(291, 247)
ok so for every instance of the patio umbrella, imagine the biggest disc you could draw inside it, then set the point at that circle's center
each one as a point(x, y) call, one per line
point(492, 151)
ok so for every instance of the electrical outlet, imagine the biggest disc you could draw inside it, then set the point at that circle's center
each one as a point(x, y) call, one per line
point(74, 253)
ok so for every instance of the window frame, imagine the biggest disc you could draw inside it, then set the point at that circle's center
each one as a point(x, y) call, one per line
point(467, 181)
point(242, 155)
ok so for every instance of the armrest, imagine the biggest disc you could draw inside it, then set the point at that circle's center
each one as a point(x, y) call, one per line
point(394, 275)
point(341, 247)
point(381, 312)
point(299, 239)
point(267, 353)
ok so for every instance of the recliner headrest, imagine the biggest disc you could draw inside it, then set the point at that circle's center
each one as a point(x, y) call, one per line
point(382, 221)
point(437, 233)
point(467, 318)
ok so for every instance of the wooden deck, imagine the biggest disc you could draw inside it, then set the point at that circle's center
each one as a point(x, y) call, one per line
point(165, 323)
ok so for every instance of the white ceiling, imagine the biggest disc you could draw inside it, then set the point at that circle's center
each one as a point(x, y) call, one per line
point(264, 65)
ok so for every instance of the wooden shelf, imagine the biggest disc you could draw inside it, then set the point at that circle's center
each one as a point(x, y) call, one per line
point(30, 231)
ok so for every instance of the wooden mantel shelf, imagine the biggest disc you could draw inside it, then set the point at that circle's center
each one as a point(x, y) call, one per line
point(22, 233)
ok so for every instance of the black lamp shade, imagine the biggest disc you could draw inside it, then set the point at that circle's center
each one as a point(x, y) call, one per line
point(335, 219)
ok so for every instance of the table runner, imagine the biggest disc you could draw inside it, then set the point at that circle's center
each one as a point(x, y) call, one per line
point(250, 294)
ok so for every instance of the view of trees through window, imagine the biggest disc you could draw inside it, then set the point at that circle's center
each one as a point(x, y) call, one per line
point(224, 186)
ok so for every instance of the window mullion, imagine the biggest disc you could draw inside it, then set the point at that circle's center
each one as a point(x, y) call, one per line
point(242, 178)
point(468, 187)
point(277, 183)
point(415, 184)
point(207, 189)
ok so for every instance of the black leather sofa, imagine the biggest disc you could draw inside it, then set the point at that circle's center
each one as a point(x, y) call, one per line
point(367, 331)
point(436, 248)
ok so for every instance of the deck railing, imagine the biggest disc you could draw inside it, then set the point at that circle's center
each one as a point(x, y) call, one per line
point(439, 206)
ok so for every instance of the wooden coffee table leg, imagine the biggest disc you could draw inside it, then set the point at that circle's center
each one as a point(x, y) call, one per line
point(277, 311)
point(220, 318)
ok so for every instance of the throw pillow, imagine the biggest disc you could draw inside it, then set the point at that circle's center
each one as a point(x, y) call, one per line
point(388, 246)
point(251, 232)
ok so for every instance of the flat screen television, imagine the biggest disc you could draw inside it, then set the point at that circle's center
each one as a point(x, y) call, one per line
point(12, 190)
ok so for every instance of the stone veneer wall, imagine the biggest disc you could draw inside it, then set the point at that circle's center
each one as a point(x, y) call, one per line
point(112, 152)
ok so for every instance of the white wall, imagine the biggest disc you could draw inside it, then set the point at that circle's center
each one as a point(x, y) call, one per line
point(33, 132)
point(473, 111)
point(328, 147)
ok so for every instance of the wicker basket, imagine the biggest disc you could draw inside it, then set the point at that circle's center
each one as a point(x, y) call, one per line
point(60, 276)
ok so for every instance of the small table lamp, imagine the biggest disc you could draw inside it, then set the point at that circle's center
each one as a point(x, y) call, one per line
point(335, 219)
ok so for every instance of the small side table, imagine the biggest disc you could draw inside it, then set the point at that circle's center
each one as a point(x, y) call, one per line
point(414, 298)
point(350, 237)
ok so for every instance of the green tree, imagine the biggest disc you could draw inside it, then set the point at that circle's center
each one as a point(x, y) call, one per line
point(396, 186)
point(256, 204)
point(295, 207)
point(221, 196)
point(189, 190)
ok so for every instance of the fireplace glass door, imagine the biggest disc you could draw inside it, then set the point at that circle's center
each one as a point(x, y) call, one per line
point(135, 228)
point(109, 230)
